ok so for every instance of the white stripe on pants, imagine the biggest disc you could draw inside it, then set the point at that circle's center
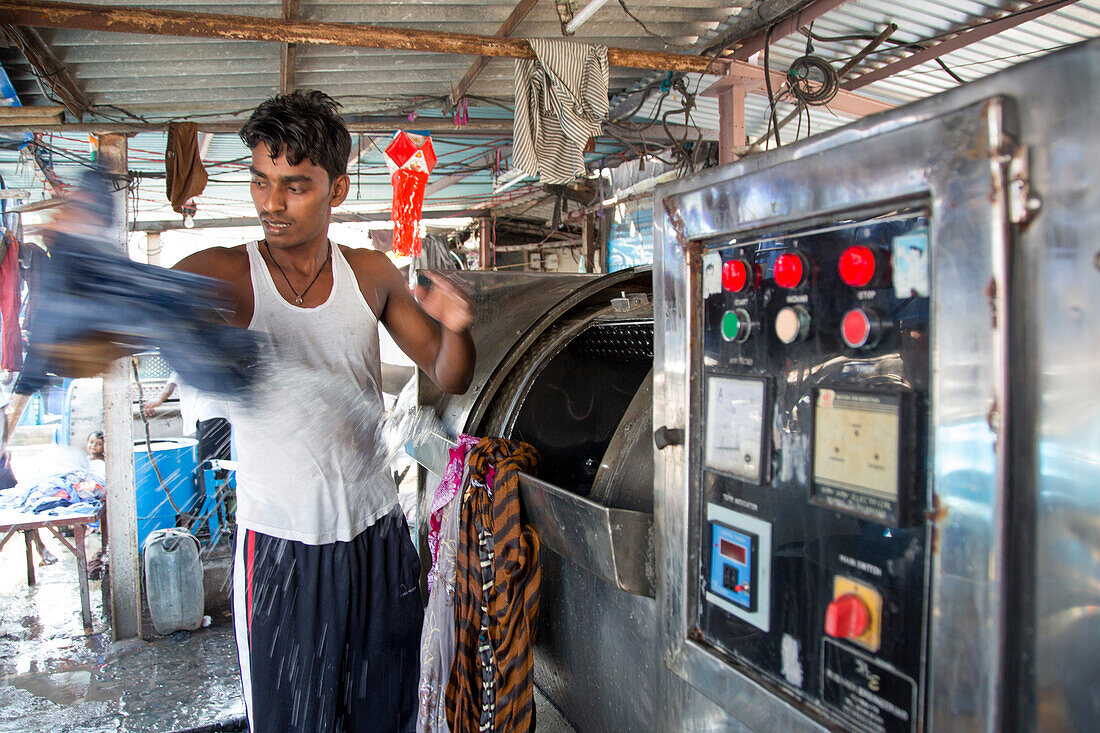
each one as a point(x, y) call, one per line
point(240, 620)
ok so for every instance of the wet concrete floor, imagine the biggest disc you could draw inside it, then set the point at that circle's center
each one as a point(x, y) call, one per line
point(55, 677)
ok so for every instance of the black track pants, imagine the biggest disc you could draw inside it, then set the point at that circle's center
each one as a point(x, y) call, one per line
point(329, 635)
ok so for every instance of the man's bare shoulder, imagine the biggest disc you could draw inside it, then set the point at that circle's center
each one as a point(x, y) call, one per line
point(230, 265)
point(376, 275)
point(365, 256)
point(370, 264)
point(223, 263)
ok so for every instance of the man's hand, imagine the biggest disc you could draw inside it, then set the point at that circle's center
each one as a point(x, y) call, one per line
point(150, 408)
point(446, 303)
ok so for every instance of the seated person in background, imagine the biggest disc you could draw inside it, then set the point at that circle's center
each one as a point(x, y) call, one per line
point(97, 464)
point(94, 449)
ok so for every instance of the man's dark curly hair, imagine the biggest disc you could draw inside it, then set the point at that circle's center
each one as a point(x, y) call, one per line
point(302, 124)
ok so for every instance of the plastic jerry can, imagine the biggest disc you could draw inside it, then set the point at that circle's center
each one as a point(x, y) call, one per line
point(173, 580)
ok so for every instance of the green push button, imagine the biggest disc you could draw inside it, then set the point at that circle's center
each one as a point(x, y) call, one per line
point(736, 325)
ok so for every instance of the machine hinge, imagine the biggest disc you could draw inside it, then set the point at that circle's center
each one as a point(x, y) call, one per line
point(629, 301)
point(1023, 205)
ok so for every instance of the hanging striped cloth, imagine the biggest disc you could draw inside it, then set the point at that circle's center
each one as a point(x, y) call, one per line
point(561, 103)
point(491, 687)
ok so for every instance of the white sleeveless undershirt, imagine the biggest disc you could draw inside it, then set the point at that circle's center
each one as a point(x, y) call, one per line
point(301, 442)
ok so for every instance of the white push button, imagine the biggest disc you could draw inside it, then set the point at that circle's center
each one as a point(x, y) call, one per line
point(792, 324)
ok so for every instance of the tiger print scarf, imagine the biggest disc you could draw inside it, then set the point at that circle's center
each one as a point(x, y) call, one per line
point(491, 687)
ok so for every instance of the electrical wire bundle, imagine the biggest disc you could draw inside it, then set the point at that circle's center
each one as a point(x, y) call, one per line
point(812, 80)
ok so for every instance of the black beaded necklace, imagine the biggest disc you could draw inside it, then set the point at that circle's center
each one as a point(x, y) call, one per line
point(299, 296)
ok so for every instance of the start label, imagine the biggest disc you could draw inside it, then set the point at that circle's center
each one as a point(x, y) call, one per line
point(865, 694)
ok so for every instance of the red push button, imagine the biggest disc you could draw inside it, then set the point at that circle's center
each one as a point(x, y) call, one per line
point(790, 270)
point(860, 328)
point(847, 617)
point(857, 266)
point(735, 276)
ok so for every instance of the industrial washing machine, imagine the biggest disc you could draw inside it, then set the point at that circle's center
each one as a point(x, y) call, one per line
point(834, 463)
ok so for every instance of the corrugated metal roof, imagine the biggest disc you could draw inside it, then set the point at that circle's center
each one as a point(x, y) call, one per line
point(160, 78)
point(916, 20)
point(145, 72)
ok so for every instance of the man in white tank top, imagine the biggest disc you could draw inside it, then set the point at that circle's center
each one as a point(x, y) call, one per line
point(326, 597)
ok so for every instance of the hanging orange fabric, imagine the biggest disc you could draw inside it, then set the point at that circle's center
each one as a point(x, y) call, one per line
point(491, 686)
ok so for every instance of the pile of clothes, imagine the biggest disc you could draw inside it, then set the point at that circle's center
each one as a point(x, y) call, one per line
point(69, 493)
point(476, 647)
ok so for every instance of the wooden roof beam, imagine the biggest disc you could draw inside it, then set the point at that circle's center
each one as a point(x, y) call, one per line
point(246, 28)
point(755, 42)
point(376, 126)
point(485, 162)
point(757, 17)
point(48, 68)
point(288, 56)
point(383, 127)
point(956, 41)
point(506, 29)
point(338, 217)
point(364, 140)
point(751, 78)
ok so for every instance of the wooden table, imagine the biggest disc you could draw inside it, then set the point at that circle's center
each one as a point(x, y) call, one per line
point(12, 521)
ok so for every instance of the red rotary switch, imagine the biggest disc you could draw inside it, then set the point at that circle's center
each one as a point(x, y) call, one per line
point(847, 617)
point(790, 270)
point(857, 266)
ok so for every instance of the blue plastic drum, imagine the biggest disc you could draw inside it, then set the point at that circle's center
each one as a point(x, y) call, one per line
point(176, 459)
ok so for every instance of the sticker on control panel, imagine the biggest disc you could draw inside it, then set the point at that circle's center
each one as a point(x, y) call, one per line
point(865, 694)
point(712, 274)
point(909, 264)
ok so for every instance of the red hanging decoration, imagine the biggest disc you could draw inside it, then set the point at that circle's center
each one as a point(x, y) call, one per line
point(410, 158)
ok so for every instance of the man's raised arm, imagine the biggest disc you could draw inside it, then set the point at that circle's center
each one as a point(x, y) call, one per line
point(434, 332)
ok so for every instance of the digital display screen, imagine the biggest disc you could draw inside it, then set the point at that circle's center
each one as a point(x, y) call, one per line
point(856, 449)
point(732, 551)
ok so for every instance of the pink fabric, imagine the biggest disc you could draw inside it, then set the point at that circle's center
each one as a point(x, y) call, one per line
point(10, 294)
point(446, 491)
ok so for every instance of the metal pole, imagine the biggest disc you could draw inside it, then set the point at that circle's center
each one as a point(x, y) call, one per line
point(731, 122)
point(590, 234)
point(152, 248)
point(118, 426)
point(485, 251)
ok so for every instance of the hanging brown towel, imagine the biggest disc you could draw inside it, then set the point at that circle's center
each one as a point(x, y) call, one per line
point(491, 687)
point(186, 176)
